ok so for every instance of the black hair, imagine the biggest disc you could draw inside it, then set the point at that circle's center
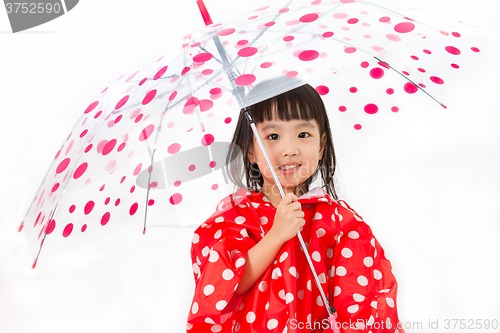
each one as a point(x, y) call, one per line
point(302, 103)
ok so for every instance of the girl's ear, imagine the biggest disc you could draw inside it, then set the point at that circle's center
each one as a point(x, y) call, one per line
point(322, 145)
point(251, 156)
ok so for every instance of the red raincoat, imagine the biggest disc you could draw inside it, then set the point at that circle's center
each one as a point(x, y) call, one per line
point(354, 273)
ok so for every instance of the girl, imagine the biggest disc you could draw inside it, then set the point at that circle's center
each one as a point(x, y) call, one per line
point(250, 272)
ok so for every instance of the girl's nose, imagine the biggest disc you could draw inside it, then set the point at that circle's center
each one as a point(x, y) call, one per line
point(289, 149)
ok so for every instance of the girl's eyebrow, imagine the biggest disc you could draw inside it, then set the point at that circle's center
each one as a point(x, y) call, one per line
point(303, 124)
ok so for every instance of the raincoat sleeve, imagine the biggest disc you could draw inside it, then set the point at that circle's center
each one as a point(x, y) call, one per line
point(366, 288)
point(218, 255)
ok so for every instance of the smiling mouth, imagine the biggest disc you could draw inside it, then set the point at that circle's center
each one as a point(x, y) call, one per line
point(288, 167)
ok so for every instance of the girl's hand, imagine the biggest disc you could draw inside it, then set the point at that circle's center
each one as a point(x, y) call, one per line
point(288, 220)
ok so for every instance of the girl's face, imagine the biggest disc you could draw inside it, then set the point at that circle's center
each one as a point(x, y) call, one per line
point(294, 148)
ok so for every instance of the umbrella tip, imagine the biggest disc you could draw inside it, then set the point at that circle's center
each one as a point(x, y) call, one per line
point(20, 227)
point(34, 265)
point(444, 106)
point(144, 231)
point(204, 12)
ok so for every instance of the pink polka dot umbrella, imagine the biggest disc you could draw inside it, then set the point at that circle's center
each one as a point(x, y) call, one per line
point(153, 143)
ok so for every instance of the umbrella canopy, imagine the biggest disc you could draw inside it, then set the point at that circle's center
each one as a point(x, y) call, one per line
point(153, 143)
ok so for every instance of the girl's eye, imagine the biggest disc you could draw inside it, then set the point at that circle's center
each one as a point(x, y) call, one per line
point(273, 137)
point(304, 135)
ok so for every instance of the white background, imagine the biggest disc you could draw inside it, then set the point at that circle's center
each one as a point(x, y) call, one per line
point(431, 195)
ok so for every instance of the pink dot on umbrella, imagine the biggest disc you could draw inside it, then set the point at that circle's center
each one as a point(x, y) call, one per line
point(146, 132)
point(266, 64)
point(377, 73)
point(390, 91)
point(109, 147)
point(121, 102)
point(84, 227)
point(253, 17)
point(57, 155)
point(160, 73)
point(149, 97)
point(384, 19)
point(414, 57)
point(245, 79)
point(151, 202)
point(215, 91)
point(340, 15)
point(133, 208)
point(322, 90)
point(63, 165)
point(105, 218)
point(121, 146)
point(137, 169)
point(242, 42)
point(427, 51)
point(51, 226)
point(153, 185)
point(117, 202)
point(284, 10)
point(215, 187)
point(455, 66)
point(207, 72)
point(227, 120)
point(177, 183)
point(176, 198)
point(117, 120)
point(83, 133)
point(371, 108)
point(202, 57)
point(353, 89)
point(174, 148)
point(394, 109)
point(185, 70)
point(292, 74)
point(205, 105)
point(55, 187)
point(123, 179)
point(405, 72)
point(342, 108)
point(142, 81)
point(88, 207)
point(452, 50)
point(384, 64)
point(365, 64)
point(131, 76)
point(393, 37)
point(192, 167)
point(328, 34)
point(410, 88)
point(352, 21)
point(456, 34)
point(80, 170)
point(270, 24)
point(91, 107)
point(102, 187)
point(309, 18)
point(107, 200)
point(226, 32)
point(190, 105)
point(207, 139)
point(247, 51)
point(308, 55)
point(475, 49)
point(67, 230)
point(212, 164)
point(72, 209)
point(404, 27)
point(436, 80)
point(132, 189)
point(421, 70)
point(288, 38)
point(357, 127)
point(350, 50)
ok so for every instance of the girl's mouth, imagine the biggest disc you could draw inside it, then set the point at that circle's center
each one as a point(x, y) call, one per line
point(289, 168)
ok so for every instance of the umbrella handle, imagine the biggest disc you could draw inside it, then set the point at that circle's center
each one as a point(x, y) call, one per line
point(251, 122)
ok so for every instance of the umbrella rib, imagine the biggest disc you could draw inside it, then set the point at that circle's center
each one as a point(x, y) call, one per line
point(411, 81)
